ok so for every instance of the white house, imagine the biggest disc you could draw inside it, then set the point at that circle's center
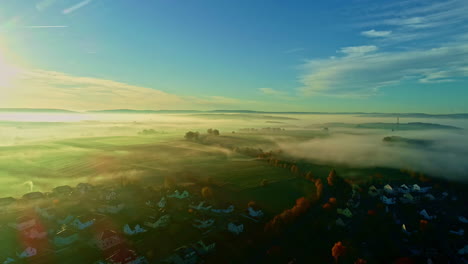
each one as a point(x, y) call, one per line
point(83, 222)
point(228, 210)
point(373, 191)
point(403, 228)
point(387, 200)
point(253, 213)
point(161, 222)
point(162, 202)
point(424, 214)
point(404, 189)
point(463, 251)
point(388, 189)
point(137, 230)
point(235, 229)
point(65, 220)
point(202, 224)
point(407, 198)
point(178, 195)
point(200, 206)
point(346, 212)
point(27, 253)
point(415, 188)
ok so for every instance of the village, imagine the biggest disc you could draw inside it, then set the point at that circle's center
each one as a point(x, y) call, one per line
point(183, 224)
point(116, 225)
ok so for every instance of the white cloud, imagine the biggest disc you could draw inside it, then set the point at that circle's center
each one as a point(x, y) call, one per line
point(46, 26)
point(358, 50)
point(363, 75)
point(376, 34)
point(48, 89)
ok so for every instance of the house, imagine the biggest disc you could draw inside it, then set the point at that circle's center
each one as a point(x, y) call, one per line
point(346, 212)
point(460, 232)
point(83, 222)
point(203, 223)
point(373, 191)
point(26, 252)
point(183, 255)
point(228, 210)
point(126, 256)
point(178, 195)
point(424, 214)
point(387, 200)
point(63, 190)
point(33, 196)
point(253, 213)
point(235, 229)
point(23, 223)
point(109, 196)
point(404, 189)
point(107, 239)
point(65, 220)
point(161, 222)
point(463, 219)
point(407, 198)
point(415, 188)
point(9, 261)
point(203, 248)
point(83, 188)
point(388, 189)
point(137, 230)
point(463, 251)
point(65, 237)
point(340, 222)
point(36, 232)
point(403, 229)
point(113, 207)
point(429, 196)
point(200, 206)
point(162, 202)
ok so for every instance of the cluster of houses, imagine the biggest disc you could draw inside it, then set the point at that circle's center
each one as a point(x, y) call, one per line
point(98, 222)
point(427, 206)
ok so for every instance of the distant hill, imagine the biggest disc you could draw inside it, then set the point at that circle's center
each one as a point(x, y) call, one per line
point(132, 111)
point(35, 110)
point(407, 126)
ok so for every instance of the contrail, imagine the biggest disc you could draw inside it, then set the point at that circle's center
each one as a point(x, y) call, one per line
point(46, 26)
point(76, 7)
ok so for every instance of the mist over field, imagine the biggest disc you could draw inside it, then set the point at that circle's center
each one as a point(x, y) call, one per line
point(53, 149)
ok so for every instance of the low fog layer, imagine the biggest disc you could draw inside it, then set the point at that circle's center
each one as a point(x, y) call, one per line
point(444, 155)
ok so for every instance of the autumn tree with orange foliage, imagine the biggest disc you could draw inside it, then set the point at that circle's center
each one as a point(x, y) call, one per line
point(288, 215)
point(338, 250)
point(319, 188)
point(207, 192)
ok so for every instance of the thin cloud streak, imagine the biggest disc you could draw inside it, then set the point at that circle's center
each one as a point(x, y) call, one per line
point(76, 7)
point(46, 26)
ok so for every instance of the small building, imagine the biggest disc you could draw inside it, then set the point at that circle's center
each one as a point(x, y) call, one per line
point(228, 210)
point(128, 230)
point(83, 222)
point(200, 207)
point(35, 232)
point(204, 248)
point(404, 189)
point(426, 215)
point(202, 224)
point(65, 219)
point(340, 222)
point(235, 229)
point(83, 188)
point(388, 189)
point(26, 252)
point(65, 237)
point(47, 213)
point(415, 188)
point(255, 214)
point(179, 195)
point(407, 198)
point(161, 222)
point(162, 202)
point(387, 200)
point(373, 191)
point(346, 212)
point(183, 255)
point(23, 222)
point(112, 207)
point(107, 239)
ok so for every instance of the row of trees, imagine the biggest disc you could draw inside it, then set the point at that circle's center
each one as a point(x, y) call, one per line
point(288, 216)
point(214, 132)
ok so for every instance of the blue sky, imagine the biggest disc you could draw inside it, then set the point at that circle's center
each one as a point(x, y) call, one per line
point(372, 56)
